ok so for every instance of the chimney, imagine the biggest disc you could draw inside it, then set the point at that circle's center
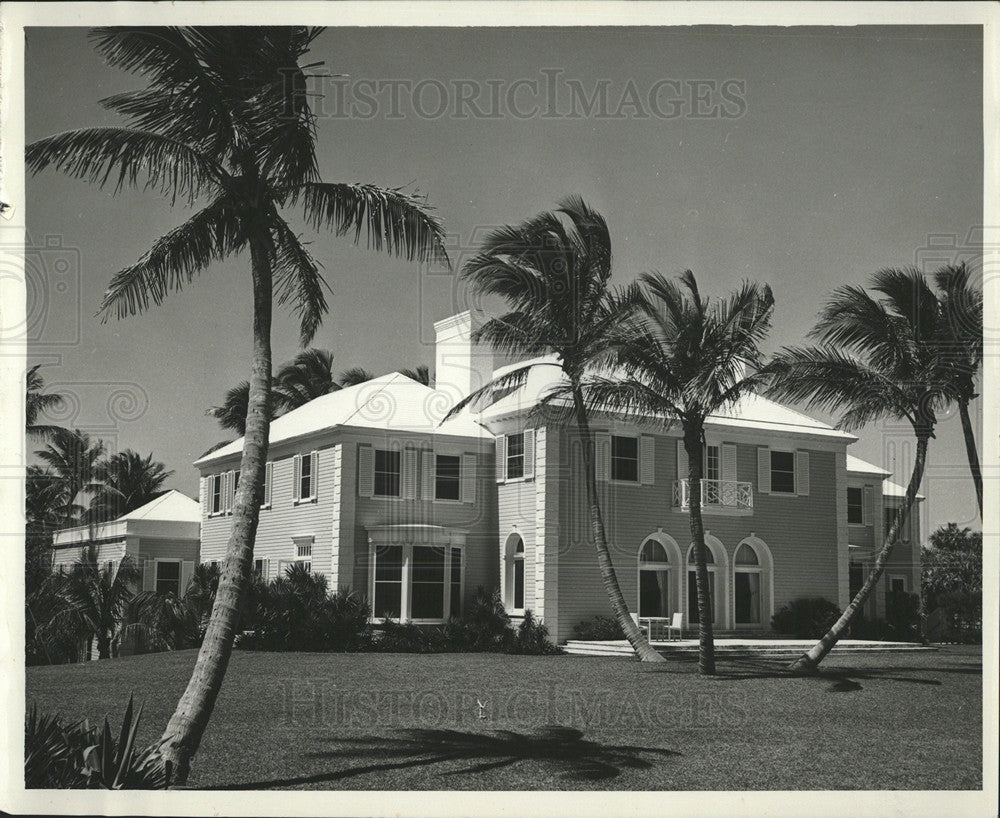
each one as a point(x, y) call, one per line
point(460, 366)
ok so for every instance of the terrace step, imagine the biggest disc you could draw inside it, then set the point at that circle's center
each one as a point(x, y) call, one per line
point(739, 647)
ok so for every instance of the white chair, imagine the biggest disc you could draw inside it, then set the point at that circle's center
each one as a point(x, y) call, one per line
point(676, 624)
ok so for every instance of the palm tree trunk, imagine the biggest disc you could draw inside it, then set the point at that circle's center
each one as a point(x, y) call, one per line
point(706, 639)
point(619, 607)
point(809, 662)
point(971, 451)
point(184, 731)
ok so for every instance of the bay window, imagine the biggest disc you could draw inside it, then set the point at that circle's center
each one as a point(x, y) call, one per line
point(419, 582)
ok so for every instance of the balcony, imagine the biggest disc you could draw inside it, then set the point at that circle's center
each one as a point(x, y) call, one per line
point(717, 497)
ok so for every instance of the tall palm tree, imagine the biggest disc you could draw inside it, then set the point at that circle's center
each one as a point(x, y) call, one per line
point(72, 456)
point(420, 374)
point(96, 596)
point(124, 482)
point(554, 272)
point(226, 115)
point(682, 359)
point(307, 376)
point(962, 347)
point(46, 509)
point(37, 401)
point(879, 357)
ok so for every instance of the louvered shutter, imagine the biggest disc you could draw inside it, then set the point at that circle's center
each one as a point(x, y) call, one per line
point(428, 472)
point(602, 456)
point(867, 505)
point(297, 477)
point(366, 470)
point(265, 569)
point(314, 475)
point(148, 574)
point(529, 452)
point(229, 491)
point(467, 488)
point(206, 496)
point(682, 460)
point(647, 463)
point(802, 472)
point(268, 478)
point(501, 455)
point(409, 477)
point(729, 462)
point(764, 470)
point(187, 569)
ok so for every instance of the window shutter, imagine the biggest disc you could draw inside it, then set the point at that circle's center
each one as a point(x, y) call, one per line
point(428, 472)
point(187, 569)
point(148, 574)
point(206, 496)
point(314, 475)
point(867, 502)
point(268, 477)
point(501, 455)
point(647, 465)
point(729, 462)
point(682, 460)
point(467, 487)
point(265, 570)
point(409, 477)
point(366, 470)
point(529, 452)
point(228, 491)
point(764, 470)
point(802, 472)
point(297, 477)
point(602, 456)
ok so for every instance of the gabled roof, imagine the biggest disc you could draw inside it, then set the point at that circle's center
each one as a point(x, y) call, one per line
point(391, 402)
point(172, 505)
point(751, 411)
point(891, 489)
point(856, 465)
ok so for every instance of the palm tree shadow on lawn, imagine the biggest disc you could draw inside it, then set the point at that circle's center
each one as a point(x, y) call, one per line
point(564, 748)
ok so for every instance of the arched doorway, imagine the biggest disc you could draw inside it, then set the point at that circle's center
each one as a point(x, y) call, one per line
point(752, 582)
point(715, 559)
point(656, 596)
point(514, 585)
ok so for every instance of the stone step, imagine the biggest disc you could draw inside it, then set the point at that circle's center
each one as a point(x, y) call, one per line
point(577, 647)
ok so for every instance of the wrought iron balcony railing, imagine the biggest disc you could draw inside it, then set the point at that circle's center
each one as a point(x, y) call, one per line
point(716, 494)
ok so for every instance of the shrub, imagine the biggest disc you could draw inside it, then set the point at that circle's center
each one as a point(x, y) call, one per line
point(532, 638)
point(806, 617)
point(406, 637)
point(599, 628)
point(79, 756)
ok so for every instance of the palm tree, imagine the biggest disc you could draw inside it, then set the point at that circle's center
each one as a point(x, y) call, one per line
point(232, 415)
point(354, 376)
point(682, 359)
point(554, 271)
point(46, 509)
point(72, 456)
point(124, 482)
point(962, 327)
point(878, 358)
point(226, 114)
point(37, 402)
point(421, 374)
point(307, 376)
point(96, 597)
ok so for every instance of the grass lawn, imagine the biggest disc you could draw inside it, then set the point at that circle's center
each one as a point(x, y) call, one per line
point(395, 721)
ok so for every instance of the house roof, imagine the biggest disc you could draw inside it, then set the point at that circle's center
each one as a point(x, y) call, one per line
point(391, 402)
point(171, 505)
point(751, 411)
point(891, 489)
point(859, 466)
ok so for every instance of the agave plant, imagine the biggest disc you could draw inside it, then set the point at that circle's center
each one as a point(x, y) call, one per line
point(117, 765)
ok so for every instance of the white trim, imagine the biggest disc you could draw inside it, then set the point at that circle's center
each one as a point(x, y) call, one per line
point(673, 553)
point(156, 572)
point(721, 565)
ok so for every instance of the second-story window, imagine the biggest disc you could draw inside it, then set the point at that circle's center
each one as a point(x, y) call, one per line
point(782, 472)
point(712, 463)
point(447, 477)
point(625, 458)
point(216, 493)
point(855, 506)
point(387, 473)
point(515, 456)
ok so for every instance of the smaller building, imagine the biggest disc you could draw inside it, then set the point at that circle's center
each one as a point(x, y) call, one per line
point(162, 537)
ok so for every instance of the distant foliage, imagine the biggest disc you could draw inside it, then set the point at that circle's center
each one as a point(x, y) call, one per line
point(599, 628)
point(952, 582)
point(806, 617)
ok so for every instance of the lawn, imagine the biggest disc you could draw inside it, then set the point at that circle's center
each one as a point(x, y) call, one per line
point(395, 721)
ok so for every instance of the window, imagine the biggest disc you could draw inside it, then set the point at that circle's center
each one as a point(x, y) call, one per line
point(747, 586)
point(214, 565)
point(855, 506)
point(447, 473)
point(388, 581)
point(258, 567)
point(303, 552)
point(306, 477)
point(782, 472)
point(168, 577)
point(712, 463)
point(625, 458)
point(897, 585)
point(455, 593)
point(517, 597)
point(654, 580)
point(427, 582)
point(515, 456)
point(216, 493)
point(387, 472)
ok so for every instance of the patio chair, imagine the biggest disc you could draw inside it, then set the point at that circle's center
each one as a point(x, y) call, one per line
point(676, 624)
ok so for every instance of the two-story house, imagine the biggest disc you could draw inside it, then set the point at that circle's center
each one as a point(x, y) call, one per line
point(368, 486)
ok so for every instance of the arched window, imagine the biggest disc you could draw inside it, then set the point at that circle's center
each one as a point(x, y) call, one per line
point(514, 570)
point(693, 615)
point(654, 580)
point(747, 589)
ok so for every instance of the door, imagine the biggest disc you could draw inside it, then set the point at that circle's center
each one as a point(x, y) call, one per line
point(747, 592)
point(693, 596)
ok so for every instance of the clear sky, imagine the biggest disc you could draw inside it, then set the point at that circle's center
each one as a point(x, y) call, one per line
point(837, 152)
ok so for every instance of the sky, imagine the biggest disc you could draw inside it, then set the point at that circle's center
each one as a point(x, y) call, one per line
point(806, 158)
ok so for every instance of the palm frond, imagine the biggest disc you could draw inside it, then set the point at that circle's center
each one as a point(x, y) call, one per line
point(298, 280)
point(508, 381)
point(355, 375)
